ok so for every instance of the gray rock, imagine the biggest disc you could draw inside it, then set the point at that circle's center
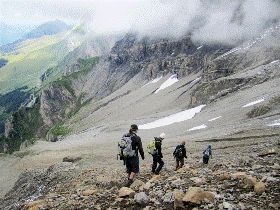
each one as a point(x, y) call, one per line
point(168, 197)
point(141, 198)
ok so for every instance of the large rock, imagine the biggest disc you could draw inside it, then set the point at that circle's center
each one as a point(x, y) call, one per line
point(137, 184)
point(196, 195)
point(249, 181)
point(178, 199)
point(198, 181)
point(168, 197)
point(259, 188)
point(269, 152)
point(239, 175)
point(141, 198)
point(72, 159)
point(126, 192)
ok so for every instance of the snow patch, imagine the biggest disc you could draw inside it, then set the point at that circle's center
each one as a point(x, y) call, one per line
point(173, 79)
point(275, 61)
point(255, 102)
point(214, 118)
point(153, 81)
point(178, 117)
point(198, 127)
point(197, 79)
point(275, 123)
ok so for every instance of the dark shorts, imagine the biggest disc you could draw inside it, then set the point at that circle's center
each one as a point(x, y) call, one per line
point(132, 165)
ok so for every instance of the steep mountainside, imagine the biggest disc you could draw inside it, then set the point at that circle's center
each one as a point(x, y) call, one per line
point(226, 96)
point(33, 64)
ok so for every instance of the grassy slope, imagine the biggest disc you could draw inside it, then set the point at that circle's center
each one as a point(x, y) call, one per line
point(30, 60)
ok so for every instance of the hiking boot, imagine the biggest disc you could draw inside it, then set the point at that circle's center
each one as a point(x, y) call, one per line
point(129, 182)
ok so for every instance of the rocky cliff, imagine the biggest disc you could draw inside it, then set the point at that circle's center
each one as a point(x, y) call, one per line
point(222, 70)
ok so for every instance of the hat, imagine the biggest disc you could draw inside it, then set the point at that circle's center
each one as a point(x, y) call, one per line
point(162, 135)
point(134, 127)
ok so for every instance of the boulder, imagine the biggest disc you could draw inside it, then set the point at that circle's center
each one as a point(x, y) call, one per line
point(137, 184)
point(249, 181)
point(178, 199)
point(238, 175)
point(177, 183)
point(71, 159)
point(168, 197)
point(89, 192)
point(269, 152)
point(146, 186)
point(198, 181)
point(196, 195)
point(141, 198)
point(259, 188)
point(126, 192)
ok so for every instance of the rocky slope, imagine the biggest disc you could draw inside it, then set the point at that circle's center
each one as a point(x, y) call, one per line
point(247, 178)
point(88, 110)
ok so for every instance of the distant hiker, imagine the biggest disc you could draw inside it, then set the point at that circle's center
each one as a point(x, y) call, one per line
point(206, 154)
point(132, 143)
point(179, 154)
point(157, 157)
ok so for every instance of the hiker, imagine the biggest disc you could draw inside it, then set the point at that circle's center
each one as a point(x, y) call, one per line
point(179, 154)
point(132, 163)
point(157, 157)
point(206, 154)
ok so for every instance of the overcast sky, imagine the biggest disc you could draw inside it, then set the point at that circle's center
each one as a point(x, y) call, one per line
point(222, 20)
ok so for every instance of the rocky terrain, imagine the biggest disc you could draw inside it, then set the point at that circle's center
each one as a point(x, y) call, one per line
point(245, 176)
point(226, 96)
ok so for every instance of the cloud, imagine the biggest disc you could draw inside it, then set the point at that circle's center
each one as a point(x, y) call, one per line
point(223, 21)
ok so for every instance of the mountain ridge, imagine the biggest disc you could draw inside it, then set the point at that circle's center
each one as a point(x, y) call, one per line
point(94, 103)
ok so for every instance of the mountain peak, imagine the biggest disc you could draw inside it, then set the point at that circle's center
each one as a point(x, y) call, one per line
point(48, 28)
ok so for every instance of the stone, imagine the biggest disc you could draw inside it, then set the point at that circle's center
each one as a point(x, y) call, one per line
point(257, 167)
point(155, 178)
point(271, 179)
point(126, 192)
point(238, 175)
point(178, 199)
point(259, 188)
point(89, 192)
point(177, 183)
point(146, 186)
point(137, 184)
point(196, 195)
point(168, 197)
point(35, 204)
point(71, 159)
point(141, 198)
point(198, 181)
point(249, 181)
point(173, 178)
point(228, 206)
point(269, 152)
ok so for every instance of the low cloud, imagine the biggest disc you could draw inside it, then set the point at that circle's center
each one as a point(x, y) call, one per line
point(215, 21)
point(219, 21)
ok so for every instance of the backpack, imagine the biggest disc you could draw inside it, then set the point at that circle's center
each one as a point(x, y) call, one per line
point(207, 152)
point(179, 152)
point(151, 148)
point(125, 146)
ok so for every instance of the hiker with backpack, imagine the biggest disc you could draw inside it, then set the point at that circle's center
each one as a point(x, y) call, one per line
point(157, 155)
point(128, 147)
point(206, 154)
point(179, 154)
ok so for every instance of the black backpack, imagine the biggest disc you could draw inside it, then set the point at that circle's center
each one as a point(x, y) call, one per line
point(179, 152)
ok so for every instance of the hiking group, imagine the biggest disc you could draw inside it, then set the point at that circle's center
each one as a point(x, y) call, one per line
point(130, 145)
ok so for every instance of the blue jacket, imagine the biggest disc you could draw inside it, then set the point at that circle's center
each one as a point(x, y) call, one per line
point(210, 151)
